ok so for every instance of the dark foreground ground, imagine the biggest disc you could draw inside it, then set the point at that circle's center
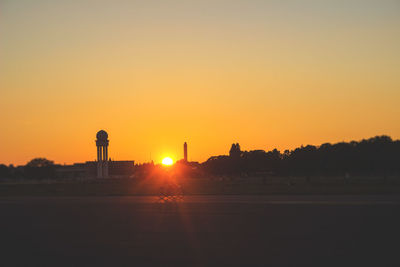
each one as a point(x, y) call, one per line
point(203, 186)
point(201, 231)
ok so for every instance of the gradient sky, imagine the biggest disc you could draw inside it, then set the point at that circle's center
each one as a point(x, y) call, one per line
point(154, 74)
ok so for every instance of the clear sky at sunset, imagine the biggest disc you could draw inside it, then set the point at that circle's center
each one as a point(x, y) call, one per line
point(154, 74)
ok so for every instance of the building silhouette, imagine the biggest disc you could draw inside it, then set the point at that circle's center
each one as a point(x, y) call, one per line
point(102, 167)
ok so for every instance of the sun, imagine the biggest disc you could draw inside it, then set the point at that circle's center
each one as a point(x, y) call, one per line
point(167, 161)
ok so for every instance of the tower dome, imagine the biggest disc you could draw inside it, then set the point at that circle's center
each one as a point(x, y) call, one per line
point(102, 135)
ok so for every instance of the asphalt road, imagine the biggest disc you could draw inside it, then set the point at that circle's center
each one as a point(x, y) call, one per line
point(201, 231)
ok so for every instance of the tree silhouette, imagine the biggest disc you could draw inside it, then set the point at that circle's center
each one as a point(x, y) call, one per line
point(374, 156)
point(235, 151)
point(5, 172)
point(40, 162)
point(40, 168)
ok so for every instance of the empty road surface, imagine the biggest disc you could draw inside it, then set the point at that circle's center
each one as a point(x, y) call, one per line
point(201, 231)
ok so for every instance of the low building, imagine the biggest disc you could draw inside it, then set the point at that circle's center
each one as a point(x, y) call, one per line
point(102, 168)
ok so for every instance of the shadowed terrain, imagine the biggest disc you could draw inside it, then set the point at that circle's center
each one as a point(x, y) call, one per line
point(247, 186)
point(201, 231)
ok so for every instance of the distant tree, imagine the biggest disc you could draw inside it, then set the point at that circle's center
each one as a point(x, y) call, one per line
point(40, 168)
point(4, 171)
point(40, 162)
point(375, 156)
point(255, 160)
point(286, 154)
point(235, 151)
point(218, 165)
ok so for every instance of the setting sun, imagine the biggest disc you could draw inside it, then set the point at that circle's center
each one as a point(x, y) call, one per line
point(167, 161)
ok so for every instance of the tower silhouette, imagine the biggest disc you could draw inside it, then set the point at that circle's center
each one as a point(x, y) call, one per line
point(185, 153)
point(102, 154)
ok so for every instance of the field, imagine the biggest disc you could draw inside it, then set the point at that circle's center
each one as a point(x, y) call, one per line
point(193, 186)
point(200, 231)
point(219, 222)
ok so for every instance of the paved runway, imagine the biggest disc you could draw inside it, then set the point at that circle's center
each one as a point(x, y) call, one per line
point(201, 231)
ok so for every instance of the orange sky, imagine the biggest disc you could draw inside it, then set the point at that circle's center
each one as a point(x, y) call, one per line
point(156, 74)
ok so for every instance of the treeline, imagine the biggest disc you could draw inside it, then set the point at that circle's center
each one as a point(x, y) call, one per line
point(379, 155)
point(38, 168)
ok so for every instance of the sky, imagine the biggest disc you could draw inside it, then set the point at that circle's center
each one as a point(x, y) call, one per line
point(154, 74)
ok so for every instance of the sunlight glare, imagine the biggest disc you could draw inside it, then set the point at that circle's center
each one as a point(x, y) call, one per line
point(167, 161)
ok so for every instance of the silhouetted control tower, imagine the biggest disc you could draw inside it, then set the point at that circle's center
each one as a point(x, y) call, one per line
point(102, 154)
point(185, 157)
